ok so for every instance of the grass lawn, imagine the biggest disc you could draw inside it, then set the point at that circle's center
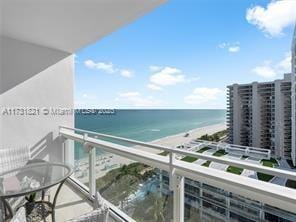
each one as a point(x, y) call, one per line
point(291, 184)
point(264, 177)
point(220, 153)
point(189, 159)
point(203, 149)
point(164, 153)
point(269, 163)
point(235, 170)
point(206, 164)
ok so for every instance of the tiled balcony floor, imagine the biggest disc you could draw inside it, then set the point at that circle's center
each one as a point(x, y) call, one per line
point(70, 204)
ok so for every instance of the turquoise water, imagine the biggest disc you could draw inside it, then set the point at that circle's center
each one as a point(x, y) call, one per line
point(147, 125)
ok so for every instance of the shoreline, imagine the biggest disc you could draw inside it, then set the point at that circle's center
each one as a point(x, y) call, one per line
point(178, 139)
point(108, 161)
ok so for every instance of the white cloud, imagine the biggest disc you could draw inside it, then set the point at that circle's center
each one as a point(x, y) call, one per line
point(108, 68)
point(234, 49)
point(203, 95)
point(265, 71)
point(231, 47)
point(167, 76)
point(274, 18)
point(86, 100)
point(155, 68)
point(135, 99)
point(126, 73)
point(154, 87)
point(270, 70)
point(285, 65)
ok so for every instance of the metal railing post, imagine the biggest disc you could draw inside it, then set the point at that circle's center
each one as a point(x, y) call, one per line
point(172, 172)
point(178, 198)
point(176, 183)
point(92, 162)
point(92, 172)
point(69, 152)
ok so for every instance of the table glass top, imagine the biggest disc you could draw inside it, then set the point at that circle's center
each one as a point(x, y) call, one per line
point(31, 178)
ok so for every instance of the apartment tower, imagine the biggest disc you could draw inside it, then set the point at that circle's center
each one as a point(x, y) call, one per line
point(264, 114)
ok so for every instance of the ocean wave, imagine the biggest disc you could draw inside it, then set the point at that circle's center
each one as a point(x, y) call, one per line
point(154, 130)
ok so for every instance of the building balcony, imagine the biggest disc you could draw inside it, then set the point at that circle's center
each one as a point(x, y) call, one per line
point(133, 177)
point(237, 185)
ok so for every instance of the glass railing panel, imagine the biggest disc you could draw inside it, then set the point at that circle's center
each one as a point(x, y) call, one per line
point(209, 203)
point(139, 190)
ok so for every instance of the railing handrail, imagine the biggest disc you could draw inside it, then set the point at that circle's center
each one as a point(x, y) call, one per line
point(271, 194)
point(237, 163)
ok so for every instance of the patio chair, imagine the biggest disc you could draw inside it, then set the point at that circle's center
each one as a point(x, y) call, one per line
point(14, 158)
point(100, 214)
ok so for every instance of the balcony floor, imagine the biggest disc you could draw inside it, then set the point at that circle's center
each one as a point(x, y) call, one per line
point(70, 203)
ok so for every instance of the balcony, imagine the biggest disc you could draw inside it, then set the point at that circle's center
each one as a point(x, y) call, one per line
point(170, 173)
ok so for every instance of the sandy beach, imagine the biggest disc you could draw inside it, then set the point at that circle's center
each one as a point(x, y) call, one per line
point(175, 140)
point(108, 161)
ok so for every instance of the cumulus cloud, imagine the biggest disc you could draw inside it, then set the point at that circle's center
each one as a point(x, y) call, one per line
point(86, 100)
point(270, 70)
point(154, 87)
point(285, 65)
point(167, 76)
point(265, 71)
point(126, 73)
point(231, 47)
point(108, 67)
point(202, 95)
point(135, 99)
point(234, 49)
point(154, 68)
point(274, 18)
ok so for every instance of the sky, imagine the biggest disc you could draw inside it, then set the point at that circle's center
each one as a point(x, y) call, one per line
point(183, 54)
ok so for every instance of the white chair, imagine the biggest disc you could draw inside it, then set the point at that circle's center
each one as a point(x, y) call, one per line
point(100, 214)
point(15, 158)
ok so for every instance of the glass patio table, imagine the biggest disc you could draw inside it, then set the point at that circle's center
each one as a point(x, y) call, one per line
point(32, 178)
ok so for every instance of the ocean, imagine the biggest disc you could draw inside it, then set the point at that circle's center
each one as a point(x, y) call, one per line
point(147, 125)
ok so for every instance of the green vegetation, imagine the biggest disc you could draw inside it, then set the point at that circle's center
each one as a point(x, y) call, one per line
point(220, 153)
point(235, 170)
point(214, 137)
point(291, 184)
point(206, 164)
point(154, 207)
point(189, 159)
point(264, 177)
point(118, 184)
point(203, 149)
point(164, 153)
point(269, 163)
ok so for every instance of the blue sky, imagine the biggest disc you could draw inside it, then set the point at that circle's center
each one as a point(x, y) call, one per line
point(184, 54)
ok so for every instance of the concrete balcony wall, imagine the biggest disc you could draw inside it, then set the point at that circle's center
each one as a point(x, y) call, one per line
point(34, 76)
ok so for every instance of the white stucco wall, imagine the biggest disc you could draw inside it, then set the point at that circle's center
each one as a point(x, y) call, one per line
point(35, 76)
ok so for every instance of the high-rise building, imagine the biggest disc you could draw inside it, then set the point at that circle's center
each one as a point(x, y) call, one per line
point(264, 114)
point(294, 52)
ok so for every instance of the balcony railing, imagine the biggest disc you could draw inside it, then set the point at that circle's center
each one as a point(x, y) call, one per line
point(266, 193)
